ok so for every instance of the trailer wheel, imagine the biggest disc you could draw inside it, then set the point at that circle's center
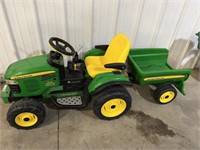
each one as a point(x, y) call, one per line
point(112, 103)
point(26, 114)
point(164, 94)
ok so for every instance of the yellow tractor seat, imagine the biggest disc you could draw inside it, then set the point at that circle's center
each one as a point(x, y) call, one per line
point(114, 58)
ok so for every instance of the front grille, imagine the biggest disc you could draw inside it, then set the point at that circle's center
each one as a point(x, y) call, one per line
point(15, 88)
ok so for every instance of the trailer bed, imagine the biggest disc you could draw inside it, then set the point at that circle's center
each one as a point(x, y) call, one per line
point(149, 66)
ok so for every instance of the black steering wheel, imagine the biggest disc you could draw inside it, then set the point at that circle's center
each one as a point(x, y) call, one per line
point(61, 45)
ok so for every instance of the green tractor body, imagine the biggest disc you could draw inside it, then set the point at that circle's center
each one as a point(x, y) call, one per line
point(70, 82)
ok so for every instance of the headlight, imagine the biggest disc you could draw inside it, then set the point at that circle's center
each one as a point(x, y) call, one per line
point(11, 82)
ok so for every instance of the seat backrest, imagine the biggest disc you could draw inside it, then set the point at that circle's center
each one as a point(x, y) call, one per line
point(118, 49)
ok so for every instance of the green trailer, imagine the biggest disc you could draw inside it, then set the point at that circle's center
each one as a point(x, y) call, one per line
point(148, 66)
point(72, 82)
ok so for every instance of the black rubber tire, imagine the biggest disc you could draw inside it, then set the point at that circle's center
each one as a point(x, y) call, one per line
point(161, 89)
point(107, 94)
point(26, 105)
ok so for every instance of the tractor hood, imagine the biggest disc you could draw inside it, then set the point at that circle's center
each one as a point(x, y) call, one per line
point(28, 66)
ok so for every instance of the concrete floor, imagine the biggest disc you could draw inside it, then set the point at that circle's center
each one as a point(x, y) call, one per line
point(146, 126)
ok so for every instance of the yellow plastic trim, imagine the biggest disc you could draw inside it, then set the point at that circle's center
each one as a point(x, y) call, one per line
point(163, 77)
point(26, 119)
point(113, 107)
point(167, 97)
point(31, 75)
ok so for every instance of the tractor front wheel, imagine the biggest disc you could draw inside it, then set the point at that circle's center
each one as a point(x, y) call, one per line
point(112, 103)
point(26, 114)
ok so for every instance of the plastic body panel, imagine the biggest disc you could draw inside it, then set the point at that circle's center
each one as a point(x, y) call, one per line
point(94, 52)
point(149, 66)
point(5, 94)
point(29, 65)
point(107, 78)
point(34, 76)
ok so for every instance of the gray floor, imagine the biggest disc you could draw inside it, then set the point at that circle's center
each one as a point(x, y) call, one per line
point(146, 126)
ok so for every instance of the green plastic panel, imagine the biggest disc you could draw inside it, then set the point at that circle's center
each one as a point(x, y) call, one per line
point(149, 65)
point(33, 85)
point(29, 65)
point(105, 78)
point(5, 94)
point(94, 52)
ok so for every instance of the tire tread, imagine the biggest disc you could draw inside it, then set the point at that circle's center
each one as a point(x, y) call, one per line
point(110, 93)
point(26, 105)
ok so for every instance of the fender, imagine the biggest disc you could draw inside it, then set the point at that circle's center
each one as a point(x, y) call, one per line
point(104, 80)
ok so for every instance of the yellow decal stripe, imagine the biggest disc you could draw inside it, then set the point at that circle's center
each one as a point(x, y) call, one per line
point(31, 75)
point(163, 77)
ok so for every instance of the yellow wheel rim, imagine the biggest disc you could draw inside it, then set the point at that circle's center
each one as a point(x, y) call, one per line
point(113, 107)
point(167, 97)
point(26, 119)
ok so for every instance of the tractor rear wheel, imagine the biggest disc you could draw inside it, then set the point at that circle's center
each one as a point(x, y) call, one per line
point(165, 93)
point(26, 114)
point(112, 103)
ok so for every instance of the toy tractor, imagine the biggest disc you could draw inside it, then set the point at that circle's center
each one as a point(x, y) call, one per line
point(70, 82)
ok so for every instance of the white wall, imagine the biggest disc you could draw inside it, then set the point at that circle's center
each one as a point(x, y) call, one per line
point(26, 25)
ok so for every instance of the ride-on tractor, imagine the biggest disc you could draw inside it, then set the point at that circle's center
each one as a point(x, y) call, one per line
point(70, 82)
